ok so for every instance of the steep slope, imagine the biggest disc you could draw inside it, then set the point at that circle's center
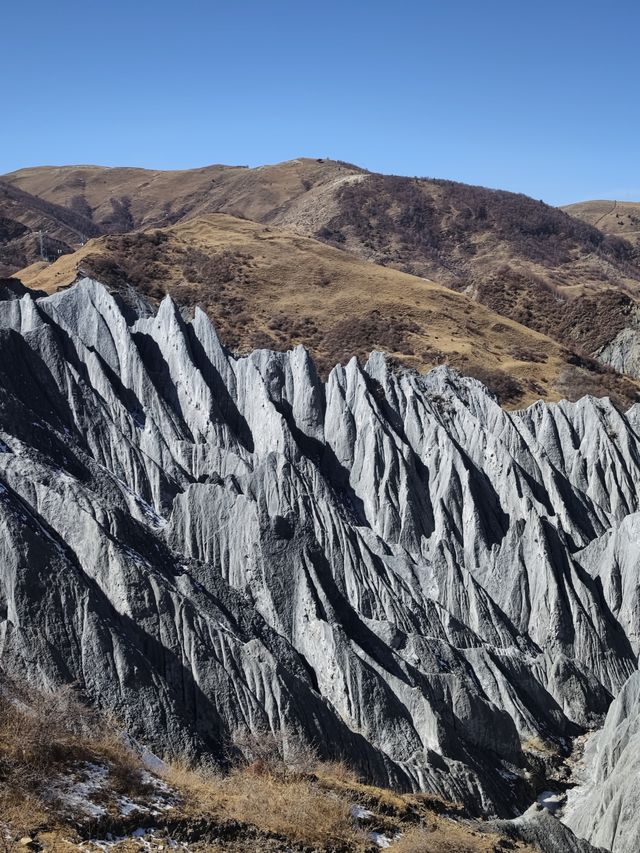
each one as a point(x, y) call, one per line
point(31, 228)
point(70, 782)
point(525, 260)
point(384, 564)
point(605, 807)
point(616, 218)
point(266, 286)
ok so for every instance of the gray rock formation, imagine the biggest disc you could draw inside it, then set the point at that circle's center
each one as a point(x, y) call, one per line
point(622, 352)
point(388, 565)
point(537, 826)
point(604, 808)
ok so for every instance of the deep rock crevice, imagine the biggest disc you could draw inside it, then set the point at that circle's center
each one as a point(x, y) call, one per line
point(389, 565)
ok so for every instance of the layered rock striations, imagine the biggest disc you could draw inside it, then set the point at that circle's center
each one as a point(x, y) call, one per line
point(387, 565)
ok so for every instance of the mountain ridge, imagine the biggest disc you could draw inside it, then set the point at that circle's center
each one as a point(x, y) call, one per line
point(264, 286)
point(390, 565)
point(525, 260)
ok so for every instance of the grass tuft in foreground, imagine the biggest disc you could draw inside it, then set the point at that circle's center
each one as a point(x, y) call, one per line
point(70, 781)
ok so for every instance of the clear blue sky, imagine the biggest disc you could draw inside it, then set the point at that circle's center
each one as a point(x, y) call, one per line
point(529, 95)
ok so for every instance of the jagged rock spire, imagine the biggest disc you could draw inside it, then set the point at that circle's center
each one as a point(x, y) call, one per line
point(389, 564)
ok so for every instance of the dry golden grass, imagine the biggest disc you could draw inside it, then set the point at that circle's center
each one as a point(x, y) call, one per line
point(618, 218)
point(43, 735)
point(339, 778)
point(447, 837)
point(295, 807)
point(278, 795)
point(157, 197)
point(272, 787)
point(268, 287)
point(315, 811)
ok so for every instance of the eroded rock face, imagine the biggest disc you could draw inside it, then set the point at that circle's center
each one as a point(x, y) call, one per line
point(605, 807)
point(538, 827)
point(388, 565)
point(622, 352)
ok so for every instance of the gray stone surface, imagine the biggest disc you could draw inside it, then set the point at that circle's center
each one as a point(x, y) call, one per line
point(622, 352)
point(388, 565)
point(537, 826)
point(604, 808)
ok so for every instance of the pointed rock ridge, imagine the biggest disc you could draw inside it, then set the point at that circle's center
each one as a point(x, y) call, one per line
point(387, 564)
point(604, 808)
point(614, 560)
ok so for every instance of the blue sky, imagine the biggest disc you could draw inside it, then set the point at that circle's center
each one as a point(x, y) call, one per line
point(537, 97)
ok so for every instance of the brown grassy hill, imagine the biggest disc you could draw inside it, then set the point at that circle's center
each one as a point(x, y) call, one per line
point(525, 260)
point(23, 216)
point(460, 234)
point(125, 198)
point(269, 287)
point(528, 261)
point(454, 233)
point(618, 218)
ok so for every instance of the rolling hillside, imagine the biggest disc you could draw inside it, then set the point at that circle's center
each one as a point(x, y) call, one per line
point(618, 218)
point(269, 287)
point(454, 233)
point(531, 263)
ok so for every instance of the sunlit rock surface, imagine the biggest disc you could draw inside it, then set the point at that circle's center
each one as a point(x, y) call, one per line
point(388, 565)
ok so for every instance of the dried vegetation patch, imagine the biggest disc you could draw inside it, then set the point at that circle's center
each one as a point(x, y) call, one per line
point(69, 781)
point(264, 287)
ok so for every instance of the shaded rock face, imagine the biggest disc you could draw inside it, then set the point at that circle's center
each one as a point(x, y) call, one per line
point(386, 565)
point(604, 806)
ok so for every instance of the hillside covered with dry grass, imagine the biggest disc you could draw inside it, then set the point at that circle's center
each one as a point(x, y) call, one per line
point(617, 218)
point(553, 273)
point(452, 232)
point(70, 780)
point(269, 287)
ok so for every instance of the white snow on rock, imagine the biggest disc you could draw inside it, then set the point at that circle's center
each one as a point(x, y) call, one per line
point(74, 791)
point(380, 839)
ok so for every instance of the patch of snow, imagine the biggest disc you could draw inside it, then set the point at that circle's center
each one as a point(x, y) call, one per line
point(551, 800)
point(76, 793)
point(380, 839)
point(127, 806)
point(146, 840)
point(361, 814)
